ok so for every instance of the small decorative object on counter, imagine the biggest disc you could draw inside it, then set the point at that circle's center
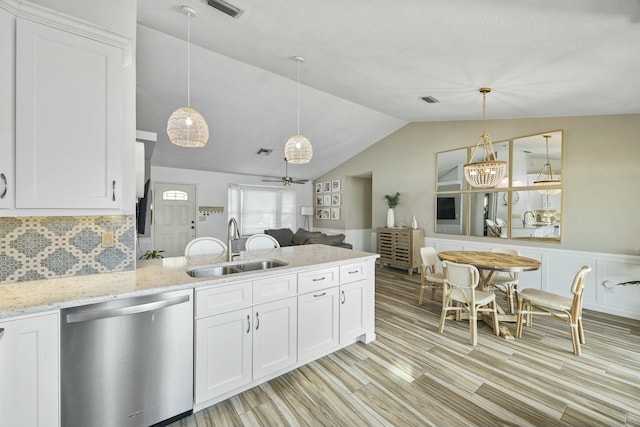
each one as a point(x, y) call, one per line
point(414, 223)
point(392, 202)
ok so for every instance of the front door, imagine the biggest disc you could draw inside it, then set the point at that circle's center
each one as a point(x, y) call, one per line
point(174, 217)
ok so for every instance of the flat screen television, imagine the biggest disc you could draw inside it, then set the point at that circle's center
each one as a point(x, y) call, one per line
point(446, 208)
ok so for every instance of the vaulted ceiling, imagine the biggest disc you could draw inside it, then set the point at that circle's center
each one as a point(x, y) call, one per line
point(367, 65)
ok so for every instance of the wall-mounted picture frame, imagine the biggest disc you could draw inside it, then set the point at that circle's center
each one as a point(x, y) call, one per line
point(319, 213)
point(320, 200)
point(327, 200)
point(325, 213)
point(335, 213)
point(319, 187)
point(326, 186)
point(335, 185)
point(336, 199)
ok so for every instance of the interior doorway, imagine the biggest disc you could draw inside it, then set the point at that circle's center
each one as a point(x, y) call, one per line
point(174, 217)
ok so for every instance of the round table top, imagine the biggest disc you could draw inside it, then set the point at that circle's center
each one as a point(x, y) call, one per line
point(491, 260)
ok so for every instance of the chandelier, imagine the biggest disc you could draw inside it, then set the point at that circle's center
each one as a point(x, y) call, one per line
point(490, 171)
point(298, 149)
point(186, 126)
point(545, 178)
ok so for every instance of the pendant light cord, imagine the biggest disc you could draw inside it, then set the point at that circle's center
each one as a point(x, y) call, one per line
point(188, 59)
point(298, 60)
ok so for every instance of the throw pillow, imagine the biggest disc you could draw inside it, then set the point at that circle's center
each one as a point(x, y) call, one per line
point(301, 235)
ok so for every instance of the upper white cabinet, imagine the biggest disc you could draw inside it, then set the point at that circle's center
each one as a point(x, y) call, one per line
point(29, 380)
point(62, 115)
point(69, 102)
point(7, 110)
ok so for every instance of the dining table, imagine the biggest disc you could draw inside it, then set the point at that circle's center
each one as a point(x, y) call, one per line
point(492, 263)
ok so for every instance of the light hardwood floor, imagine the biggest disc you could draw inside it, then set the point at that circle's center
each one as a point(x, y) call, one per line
point(414, 376)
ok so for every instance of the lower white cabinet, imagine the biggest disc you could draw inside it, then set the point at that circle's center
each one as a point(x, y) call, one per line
point(318, 321)
point(29, 371)
point(353, 310)
point(237, 347)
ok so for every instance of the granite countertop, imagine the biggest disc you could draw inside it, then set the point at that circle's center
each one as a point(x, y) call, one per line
point(152, 276)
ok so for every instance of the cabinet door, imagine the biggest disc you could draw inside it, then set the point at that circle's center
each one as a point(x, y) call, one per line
point(318, 316)
point(29, 371)
point(352, 310)
point(274, 336)
point(69, 132)
point(7, 110)
point(223, 353)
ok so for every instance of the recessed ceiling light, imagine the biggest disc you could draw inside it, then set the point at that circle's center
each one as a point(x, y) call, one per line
point(429, 99)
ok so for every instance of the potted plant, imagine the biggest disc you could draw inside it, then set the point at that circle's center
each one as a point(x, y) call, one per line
point(154, 254)
point(392, 202)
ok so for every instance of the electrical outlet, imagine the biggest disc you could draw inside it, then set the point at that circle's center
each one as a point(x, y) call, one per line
point(108, 239)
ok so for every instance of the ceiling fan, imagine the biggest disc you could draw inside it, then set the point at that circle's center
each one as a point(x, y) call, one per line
point(286, 179)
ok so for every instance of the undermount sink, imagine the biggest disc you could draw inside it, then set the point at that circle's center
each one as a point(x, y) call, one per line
point(236, 267)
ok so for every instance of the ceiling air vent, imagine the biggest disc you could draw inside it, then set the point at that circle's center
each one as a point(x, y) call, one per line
point(225, 7)
point(264, 151)
point(430, 99)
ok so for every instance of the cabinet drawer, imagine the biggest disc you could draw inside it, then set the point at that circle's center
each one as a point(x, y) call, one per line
point(353, 272)
point(274, 288)
point(310, 281)
point(223, 298)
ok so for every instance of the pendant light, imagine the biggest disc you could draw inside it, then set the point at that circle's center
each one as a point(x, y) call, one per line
point(545, 178)
point(298, 149)
point(490, 171)
point(186, 126)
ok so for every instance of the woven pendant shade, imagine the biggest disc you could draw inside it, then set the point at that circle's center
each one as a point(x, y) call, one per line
point(187, 128)
point(490, 171)
point(545, 178)
point(298, 150)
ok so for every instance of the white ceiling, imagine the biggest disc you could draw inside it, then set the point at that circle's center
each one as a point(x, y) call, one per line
point(367, 64)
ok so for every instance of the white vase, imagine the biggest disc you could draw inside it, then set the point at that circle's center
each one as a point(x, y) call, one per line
point(414, 223)
point(390, 218)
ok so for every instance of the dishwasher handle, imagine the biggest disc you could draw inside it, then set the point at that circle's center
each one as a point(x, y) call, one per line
point(124, 311)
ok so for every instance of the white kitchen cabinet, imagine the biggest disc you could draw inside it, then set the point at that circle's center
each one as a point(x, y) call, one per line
point(7, 110)
point(353, 319)
point(318, 323)
point(274, 336)
point(29, 371)
point(237, 342)
point(69, 130)
point(223, 354)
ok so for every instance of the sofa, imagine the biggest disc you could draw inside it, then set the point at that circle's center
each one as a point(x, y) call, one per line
point(286, 237)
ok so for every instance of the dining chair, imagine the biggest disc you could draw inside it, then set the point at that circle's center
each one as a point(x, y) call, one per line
point(429, 277)
point(460, 293)
point(492, 228)
point(535, 301)
point(261, 241)
point(506, 281)
point(205, 246)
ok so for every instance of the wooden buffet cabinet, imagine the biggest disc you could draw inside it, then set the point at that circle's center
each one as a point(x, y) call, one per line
point(400, 246)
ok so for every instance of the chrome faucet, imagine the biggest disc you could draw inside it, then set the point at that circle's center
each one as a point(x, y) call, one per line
point(524, 218)
point(232, 236)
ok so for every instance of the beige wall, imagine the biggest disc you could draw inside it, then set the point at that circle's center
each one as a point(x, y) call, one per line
point(601, 175)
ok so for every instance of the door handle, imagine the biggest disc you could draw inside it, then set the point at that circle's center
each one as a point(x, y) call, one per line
point(248, 323)
point(257, 321)
point(113, 191)
point(344, 298)
point(320, 295)
point(85, 316)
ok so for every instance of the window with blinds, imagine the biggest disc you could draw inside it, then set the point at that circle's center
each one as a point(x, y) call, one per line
point(259, 208)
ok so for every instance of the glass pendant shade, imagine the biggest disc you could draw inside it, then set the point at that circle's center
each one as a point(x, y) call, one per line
point(490, 171)
point(187, 128)
point(298, 149)
point(545, 178)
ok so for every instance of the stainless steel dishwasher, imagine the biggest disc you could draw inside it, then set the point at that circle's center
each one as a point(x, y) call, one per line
point(128, 362)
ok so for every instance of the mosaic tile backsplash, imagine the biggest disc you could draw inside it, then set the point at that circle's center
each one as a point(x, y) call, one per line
point(34, 248)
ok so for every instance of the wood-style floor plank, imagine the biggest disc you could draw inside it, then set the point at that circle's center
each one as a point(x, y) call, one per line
point(414, 376)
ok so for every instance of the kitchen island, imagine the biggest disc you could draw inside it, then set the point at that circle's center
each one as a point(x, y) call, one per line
point(249, 326)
